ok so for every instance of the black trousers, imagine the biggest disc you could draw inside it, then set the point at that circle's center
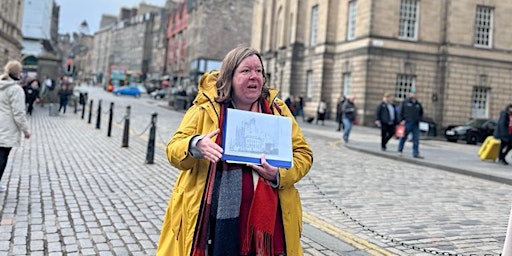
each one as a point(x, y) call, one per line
point(386, 133)
point(505, 147)
point(4, 154)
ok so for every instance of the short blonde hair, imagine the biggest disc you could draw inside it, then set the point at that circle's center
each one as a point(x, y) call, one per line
point(13, 67)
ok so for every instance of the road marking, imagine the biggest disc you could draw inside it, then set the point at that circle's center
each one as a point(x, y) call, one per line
point(347, 237)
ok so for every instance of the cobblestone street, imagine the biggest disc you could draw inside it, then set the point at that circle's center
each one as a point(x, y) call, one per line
point(74, 191)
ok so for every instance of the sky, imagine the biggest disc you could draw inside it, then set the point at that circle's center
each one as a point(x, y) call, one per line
point(73, 12)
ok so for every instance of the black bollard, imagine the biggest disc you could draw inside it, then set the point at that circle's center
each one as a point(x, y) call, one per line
point(90, 112)
point(83, 101)
point(126, 130)
point(98, 117)
point(110, 117)
point(76, 103)
point(151, 142)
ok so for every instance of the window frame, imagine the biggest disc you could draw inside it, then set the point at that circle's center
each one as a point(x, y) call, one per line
point(351, 20)
point(477, 36)
point(347, 84)
point(314, 25)
point(403, 85)
point(476, 98)
point(309, 84)
point(403, 20)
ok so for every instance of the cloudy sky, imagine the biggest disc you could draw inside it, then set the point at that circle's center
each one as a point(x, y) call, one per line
point(73, 12)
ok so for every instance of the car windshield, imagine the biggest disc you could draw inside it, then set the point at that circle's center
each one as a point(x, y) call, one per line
point(476, 122)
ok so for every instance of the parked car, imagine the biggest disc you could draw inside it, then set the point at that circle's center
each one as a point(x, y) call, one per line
point(132, 90)
point(472, 132)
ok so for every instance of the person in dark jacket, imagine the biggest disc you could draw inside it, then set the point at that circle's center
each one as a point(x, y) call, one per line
point(410, 115)
point(32, 95)
point(349, 116)
point(64, 92)
point(339, 112)
point(503, 132)
point(385, 118)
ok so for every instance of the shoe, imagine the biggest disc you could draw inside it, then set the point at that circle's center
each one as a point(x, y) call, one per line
point(400, 153)
point(503, 162)
point(3, 188)
point(383, 149)
point(419, 157)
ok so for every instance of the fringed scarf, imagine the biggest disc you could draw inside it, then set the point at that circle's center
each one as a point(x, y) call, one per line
point(220, 209)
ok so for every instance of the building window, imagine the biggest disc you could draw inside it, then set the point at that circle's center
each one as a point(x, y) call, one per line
point(483, 26)
point(480, 102)
point(347, 82)
point(314, 24)
point(352, 14)
point(404, 83)
point(309, 84)
point(409, 10)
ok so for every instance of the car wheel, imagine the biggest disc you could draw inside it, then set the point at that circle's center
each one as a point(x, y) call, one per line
point(452, 140)
point(472, 138)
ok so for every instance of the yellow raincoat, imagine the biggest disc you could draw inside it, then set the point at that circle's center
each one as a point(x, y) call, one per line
point(181, 216)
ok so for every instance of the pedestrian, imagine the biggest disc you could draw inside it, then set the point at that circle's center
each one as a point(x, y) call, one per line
point(290, 103)
point(411, 113)
point(349, 116)
point(250, 209)
point(64, 92)
point(46, 90)
point(385, 118)
point(320, 111)
point(32, 95)
point(503, 132)
point(339, 112)
point(12, 113)
point(300, 107)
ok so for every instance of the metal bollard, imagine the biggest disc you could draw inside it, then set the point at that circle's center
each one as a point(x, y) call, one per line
point(126, 130)
point(83, 102)
point(75, 105)
point(110, 117)
point(151, 142)
point(98, 117)
point(90, 112)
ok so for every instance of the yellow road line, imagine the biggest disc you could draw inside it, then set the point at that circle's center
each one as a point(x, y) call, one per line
point(347, 237)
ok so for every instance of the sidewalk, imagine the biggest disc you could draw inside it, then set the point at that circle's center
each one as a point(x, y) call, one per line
point(440, 154)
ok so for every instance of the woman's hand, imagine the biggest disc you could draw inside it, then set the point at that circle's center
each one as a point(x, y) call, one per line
point(265, 170)
point(208, 148)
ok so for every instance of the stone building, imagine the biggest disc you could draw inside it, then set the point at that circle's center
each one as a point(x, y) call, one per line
point(11, 17)
point(457, 54)
point(128, 43)
point(202, 32)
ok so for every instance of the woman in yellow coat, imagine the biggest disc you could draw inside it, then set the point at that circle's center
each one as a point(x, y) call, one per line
point(225, 209)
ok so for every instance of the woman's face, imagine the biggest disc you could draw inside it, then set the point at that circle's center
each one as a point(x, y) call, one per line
point(247, 82)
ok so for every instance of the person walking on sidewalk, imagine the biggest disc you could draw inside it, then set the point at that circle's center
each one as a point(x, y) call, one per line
point(385, 118)
point(339, 112)
point(410, 115)
point(503, 132)
point(321, 111)
point(64, 92)
point(32, 95)
point(220, 208)
point(349, 116)
point(12, 113)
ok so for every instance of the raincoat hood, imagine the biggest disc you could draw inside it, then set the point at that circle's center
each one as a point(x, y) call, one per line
point(4, 84)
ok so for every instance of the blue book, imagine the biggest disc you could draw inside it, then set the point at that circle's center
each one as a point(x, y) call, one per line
point(248, 134)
